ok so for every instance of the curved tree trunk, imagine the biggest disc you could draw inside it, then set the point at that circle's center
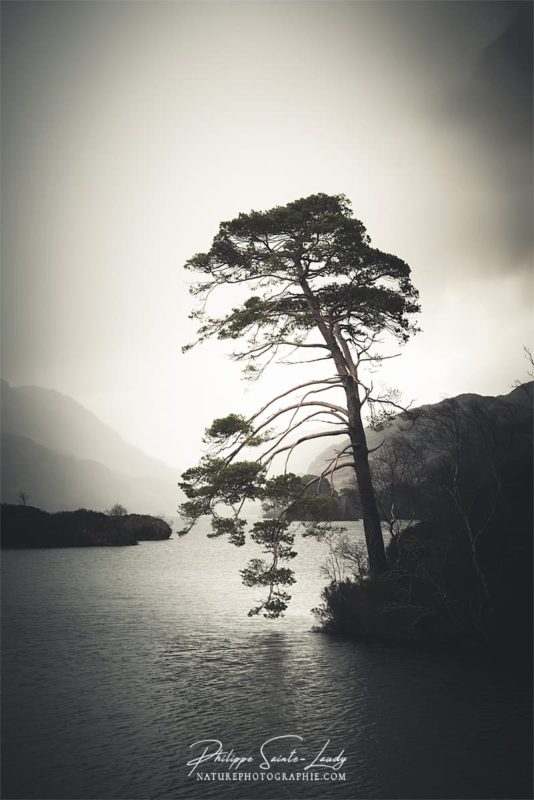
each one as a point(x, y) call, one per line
point(347, 372)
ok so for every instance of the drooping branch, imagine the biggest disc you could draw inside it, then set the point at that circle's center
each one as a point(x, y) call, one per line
point(279, 438)
point(326, 472)
point(308, 438)
point(339, 412)
point(334, 381)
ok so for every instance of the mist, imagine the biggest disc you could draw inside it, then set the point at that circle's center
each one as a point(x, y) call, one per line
point(132, 129)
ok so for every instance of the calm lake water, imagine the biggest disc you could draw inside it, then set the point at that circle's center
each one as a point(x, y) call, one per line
point(116, 660)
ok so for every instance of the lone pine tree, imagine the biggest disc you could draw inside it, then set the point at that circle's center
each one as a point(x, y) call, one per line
point(314, 286)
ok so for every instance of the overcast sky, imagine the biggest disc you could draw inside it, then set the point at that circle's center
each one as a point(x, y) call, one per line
point(131, 129)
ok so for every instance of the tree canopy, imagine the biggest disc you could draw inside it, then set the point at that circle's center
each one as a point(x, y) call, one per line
point(315, 286)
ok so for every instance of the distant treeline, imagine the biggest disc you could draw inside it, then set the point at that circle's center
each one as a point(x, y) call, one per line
point(322, 502)
point(27, 526)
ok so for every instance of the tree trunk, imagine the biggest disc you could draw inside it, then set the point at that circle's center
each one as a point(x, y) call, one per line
point(371, 518)
point(343, 362)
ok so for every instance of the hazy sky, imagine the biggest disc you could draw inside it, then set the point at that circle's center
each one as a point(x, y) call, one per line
point(131, 129)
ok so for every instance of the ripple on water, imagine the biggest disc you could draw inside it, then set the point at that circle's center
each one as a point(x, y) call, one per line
point(116, 660)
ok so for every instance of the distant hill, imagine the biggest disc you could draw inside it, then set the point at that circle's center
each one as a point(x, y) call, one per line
point(65, 458)
point(496, 430)
point(60, 423)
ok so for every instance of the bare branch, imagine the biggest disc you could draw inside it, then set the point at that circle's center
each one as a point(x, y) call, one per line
point(280, 437)
point(334, 381)
point(308, 438)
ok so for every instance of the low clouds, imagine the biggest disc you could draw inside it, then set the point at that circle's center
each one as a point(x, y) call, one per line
point(497, 105)
point(131, 129)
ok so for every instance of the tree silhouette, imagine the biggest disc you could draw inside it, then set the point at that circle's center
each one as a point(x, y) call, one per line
point(314, 286)
point(117, 510)
point(23, 497)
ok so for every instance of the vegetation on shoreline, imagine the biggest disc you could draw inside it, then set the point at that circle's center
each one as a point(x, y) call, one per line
point(463, 574)
point(430, 594)
point(25, 526)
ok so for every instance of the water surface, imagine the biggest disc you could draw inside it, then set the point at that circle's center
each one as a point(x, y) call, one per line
point(115, 660)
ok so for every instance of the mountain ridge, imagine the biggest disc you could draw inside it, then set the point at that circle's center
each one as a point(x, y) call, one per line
point(63, 424)
point(64, 457)
point(405, 425)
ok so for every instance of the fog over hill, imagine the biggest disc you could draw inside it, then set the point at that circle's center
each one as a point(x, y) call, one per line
point(507, 419)
point(65, 458)
point(60, 423)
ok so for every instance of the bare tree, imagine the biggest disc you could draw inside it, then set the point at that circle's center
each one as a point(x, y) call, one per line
point(465, 440)
point(23, 497)
point(396, 481)
point(346, 558)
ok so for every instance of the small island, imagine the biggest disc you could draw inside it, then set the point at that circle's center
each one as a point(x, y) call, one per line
point(25, 526)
